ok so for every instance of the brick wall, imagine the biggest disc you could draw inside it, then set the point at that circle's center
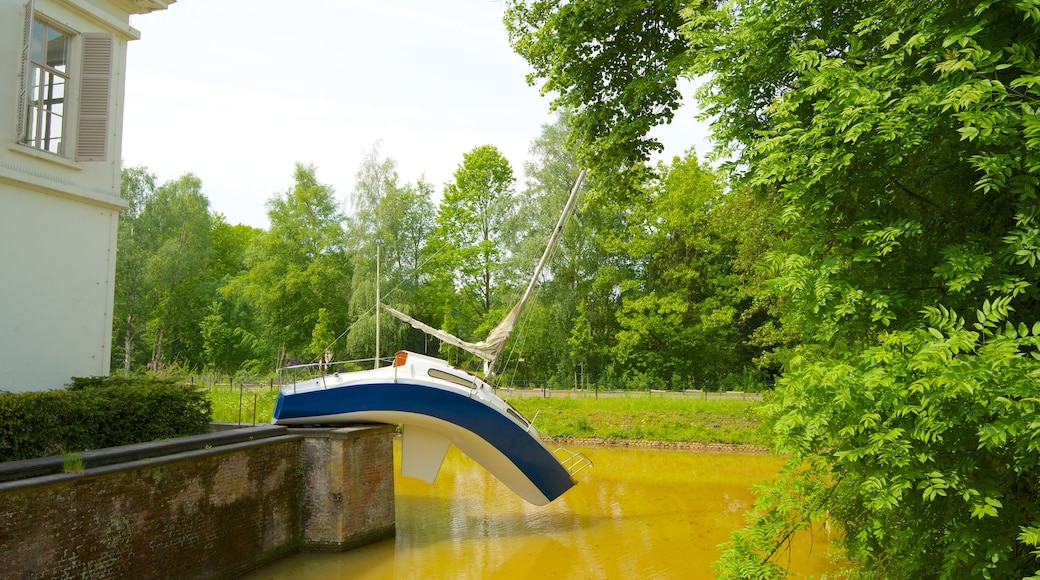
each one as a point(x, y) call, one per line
point(211, 513)
point(348, 492)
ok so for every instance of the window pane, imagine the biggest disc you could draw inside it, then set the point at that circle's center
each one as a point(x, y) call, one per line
point(30, 127)
point(37, 41)
point(35, 80)
point(52, 133)
point(57, 46)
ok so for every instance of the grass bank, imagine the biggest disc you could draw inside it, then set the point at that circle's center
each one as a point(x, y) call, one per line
point(642, 418)
point(626, 419)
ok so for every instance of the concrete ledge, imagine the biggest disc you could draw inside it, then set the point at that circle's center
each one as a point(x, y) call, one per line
point(338, 433)
point(42, 466)
point(93, 472)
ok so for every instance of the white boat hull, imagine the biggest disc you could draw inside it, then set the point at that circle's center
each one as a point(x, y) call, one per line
point(437, 406)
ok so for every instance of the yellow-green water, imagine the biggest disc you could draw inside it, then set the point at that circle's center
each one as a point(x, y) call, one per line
point(639, 513)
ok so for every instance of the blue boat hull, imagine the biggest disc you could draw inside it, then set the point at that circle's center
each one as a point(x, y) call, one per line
point(473, 426)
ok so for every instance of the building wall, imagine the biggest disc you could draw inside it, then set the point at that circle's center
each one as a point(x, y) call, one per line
point(56, 298)
point(58, 216)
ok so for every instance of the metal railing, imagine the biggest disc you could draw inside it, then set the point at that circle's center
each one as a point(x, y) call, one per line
point(293, 374)
point(572, 461)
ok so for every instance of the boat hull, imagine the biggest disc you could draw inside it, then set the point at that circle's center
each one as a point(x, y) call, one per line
point(498, 443)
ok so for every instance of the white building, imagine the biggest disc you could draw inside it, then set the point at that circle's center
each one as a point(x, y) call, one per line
point(62, 75)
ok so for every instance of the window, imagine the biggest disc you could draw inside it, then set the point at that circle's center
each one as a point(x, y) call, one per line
point(43, 99)
point(439, 374)
point(47, 84)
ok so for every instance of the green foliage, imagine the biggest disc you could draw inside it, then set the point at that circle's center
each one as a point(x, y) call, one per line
point(99, 412)
point(895, 145)
point(747, 380)
point(231, 331)
point(174, 228)
point(324, 337)
point(173, 255)
point(227, 339)
point(400, 215)
point(470, 228)
point(137, 186)
point(573, 304)
point(680, 311)
point(930, 431)
point(614, 65)
point(897, 142)
point(296, 267)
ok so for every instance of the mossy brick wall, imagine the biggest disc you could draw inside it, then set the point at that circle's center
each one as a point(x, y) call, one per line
point(348, 491)
point(215, 513)
point(207, 513)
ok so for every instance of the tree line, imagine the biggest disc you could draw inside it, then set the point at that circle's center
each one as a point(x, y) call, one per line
point(892, 151)
point(648, 292)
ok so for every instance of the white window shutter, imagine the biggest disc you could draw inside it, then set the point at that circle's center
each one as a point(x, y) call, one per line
point(24, 87)
point(94, 97)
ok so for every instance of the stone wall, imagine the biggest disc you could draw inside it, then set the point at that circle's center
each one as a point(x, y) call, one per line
point(210, 513)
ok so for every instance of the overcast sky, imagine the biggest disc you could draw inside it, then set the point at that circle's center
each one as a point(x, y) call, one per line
point(237, 91)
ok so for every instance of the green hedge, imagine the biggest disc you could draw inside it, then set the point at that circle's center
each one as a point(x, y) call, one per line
point(99, 412)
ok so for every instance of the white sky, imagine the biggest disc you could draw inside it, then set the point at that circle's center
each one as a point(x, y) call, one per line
point(237, 91)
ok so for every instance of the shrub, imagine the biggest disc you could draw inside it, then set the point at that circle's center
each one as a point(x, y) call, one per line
point(99, 412)
point(748, 380)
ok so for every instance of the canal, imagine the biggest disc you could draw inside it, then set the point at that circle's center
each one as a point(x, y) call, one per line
point(639, 513)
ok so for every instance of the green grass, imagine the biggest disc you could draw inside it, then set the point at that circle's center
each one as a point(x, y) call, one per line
point(226, 405)
point(71, 462)
point(635, 418)
point(647, 418)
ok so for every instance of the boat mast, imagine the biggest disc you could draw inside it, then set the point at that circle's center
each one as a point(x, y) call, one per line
point(501, 332)
point(379, 244)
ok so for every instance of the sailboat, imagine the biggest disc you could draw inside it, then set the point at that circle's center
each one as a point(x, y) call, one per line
point(439, 405)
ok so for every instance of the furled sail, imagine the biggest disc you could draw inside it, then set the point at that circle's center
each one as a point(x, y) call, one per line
point(480, 349)
point(490, 348)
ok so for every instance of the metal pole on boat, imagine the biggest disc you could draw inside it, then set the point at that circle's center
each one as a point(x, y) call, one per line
point(379, 244)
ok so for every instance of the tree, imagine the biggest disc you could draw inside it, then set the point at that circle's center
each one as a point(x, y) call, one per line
point(173, 230)
point(897, 142)
point(400, 215)
point(136, 187)
point(231, 331)
point(614, 65)
point(679, 312)
point(550, 173)
point(298, 267)
point(470, 226)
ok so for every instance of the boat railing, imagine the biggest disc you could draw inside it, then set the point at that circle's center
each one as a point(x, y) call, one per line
point(530, 424)
point(294, 374)
point(572, 461)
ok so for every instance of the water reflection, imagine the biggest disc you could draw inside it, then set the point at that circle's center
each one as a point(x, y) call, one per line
point(638, 513)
